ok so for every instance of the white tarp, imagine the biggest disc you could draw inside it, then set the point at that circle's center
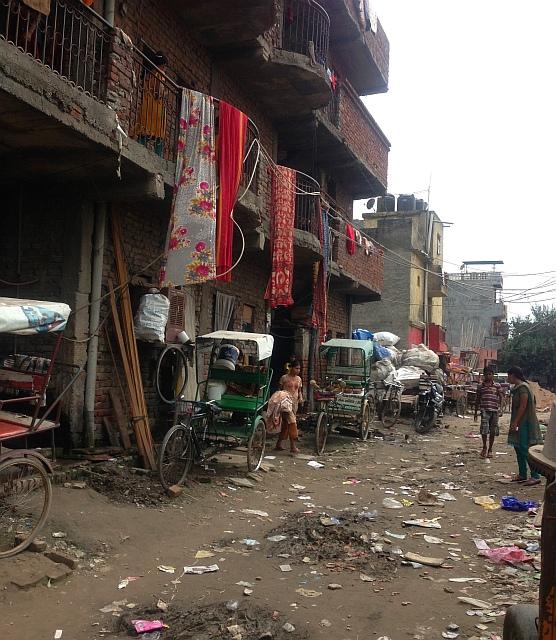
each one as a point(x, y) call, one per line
point(26, 317)
point(265, 342)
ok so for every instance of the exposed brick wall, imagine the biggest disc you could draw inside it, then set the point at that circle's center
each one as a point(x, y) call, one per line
point(362, 133)
point(368, 269)
point(338, 315)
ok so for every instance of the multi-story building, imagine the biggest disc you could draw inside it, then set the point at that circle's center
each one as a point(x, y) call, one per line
point(414, 288)
point(77, 81)
point(475, 315)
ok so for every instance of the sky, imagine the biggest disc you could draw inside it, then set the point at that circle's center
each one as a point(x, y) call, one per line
point(471, 107)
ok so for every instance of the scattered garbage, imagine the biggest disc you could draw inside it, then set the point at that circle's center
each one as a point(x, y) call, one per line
point(145, 626)
point(390, 503)
point(308, 593)
point(511, 503)
point(335, 586)
point(255, 512)
point(285, 568)
point(203, 554)
point(250, 542)
point(315, 465)
point(486, 502)
point(365, 578)
point(369, 516)
point(58, 634)
point(278, 538)
point(288, 627)
point(481, 544)
point(510, 555)
point(450, 635)
point(397, 536)
point(329, 522)
point(433, 540)
point(446, 497)
point(59, 534)
point(166, 568)
point(123, 583)
point(463, 580)
point(424, 560)
point(422, 522)
point(478, 604)
point(200, 569)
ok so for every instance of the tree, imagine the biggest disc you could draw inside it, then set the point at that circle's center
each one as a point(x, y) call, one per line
point(532, 345)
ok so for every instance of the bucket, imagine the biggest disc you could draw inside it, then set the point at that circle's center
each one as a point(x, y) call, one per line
point(227, 357)
point(216, 389)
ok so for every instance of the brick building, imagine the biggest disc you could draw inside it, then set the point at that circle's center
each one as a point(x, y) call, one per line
point(414, 285)
point(72, 85)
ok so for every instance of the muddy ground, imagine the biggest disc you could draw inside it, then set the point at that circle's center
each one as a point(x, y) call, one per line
point(335, 574)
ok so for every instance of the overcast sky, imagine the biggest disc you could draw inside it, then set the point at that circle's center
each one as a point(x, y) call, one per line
point(472, 103)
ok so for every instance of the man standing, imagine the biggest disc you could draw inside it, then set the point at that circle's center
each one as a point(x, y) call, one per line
point(489, 401)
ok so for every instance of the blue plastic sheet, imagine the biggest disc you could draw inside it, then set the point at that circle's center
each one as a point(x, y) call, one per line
point(511, 503)
point(362, 334)
point(381, 353)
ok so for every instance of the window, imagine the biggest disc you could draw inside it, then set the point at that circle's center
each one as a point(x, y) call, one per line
point(248, 318)
point(438, 244)
point(418, 281)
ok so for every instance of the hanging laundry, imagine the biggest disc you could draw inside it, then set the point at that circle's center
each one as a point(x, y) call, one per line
point(191, 237)
point(350, 242)
point(320, 302)
point(232, 131)
point(279, 289)
point(326, 243)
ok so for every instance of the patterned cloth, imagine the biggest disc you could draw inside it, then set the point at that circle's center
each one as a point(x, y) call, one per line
point(192, 232)
point(279, 289)
point(529, 423)
point(489, 397)
point(280, 402)
point(326, 244)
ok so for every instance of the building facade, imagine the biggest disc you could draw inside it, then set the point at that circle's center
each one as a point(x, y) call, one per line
point(413, 292)
point(90, 98)
point(475, 315)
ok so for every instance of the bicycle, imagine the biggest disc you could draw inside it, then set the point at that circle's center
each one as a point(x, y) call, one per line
point(389, 403)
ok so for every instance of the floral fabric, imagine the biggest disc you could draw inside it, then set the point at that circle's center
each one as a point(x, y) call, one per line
point(192, 232)
point(279, 289)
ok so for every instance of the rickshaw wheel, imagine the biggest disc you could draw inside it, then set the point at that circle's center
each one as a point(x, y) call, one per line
point(176, 456)
point(26, 496)
point(366, 418)
point(321, 433)
point(256, 445)
point(392, 408)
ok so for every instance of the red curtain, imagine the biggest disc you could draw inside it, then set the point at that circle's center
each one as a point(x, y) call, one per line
point(279, 289)
point(350, 242)
point(231, 146)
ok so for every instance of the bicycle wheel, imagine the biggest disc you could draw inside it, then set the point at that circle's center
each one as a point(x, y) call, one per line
point(25, 499)
point(256, 445)
point(391, 408)
point(321, 433)
point(366, 417)
point(176, 456)
point(171, 374)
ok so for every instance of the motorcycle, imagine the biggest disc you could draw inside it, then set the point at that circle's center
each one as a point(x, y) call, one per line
point(429, 405)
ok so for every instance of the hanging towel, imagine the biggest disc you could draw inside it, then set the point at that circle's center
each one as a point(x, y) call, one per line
point(232, 131)
point(192, 232)
point(279, 289)
point(350, 242)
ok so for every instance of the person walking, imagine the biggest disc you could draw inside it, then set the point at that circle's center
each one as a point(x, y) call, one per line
point(489, 402)
point(291, 383)
point(524, 425)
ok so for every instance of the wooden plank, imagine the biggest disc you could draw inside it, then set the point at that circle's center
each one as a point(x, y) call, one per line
point(121, 421)
point(113, 435)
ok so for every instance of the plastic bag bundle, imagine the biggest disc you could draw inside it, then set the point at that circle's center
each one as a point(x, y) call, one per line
point(381, 353)
point(422, 357)
point(381, 370)
point(386, 338)
point(362, 334)
point(151, 317)
point(511, 503)
point(408, 376)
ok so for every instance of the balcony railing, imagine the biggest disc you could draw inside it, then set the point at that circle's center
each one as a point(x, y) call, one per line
point(332, 109)
point(307, 207)
point(250, 175)
point(306, 29)
point(71, 40)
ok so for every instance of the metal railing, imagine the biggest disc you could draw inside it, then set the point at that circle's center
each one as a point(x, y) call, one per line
point(306, 29)
point(251, 165)
point(332, 109)
point(307, 206)
point(154, 107)
point(72, 40)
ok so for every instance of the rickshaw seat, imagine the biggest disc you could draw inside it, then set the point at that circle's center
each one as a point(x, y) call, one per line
point(229, 402)
point(17, 425)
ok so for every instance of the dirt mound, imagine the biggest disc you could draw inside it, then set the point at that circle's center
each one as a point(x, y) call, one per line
point(124, 484)
point(215, 621)
point(544, 397)
point(345, 541)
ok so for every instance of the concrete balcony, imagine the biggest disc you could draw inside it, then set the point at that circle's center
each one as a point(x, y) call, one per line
point(349, 143)
point(307, 223)
point(286, 68)
point(58, 73)
point(437, 282)
point(360, 46)
point(221, 24)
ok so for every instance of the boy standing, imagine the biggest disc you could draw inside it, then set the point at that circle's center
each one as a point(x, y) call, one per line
point(489, 401)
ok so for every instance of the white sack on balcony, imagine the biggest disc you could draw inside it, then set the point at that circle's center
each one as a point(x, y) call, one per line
point(151, 317)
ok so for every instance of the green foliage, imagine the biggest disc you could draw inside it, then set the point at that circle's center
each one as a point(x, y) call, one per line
point(532, 345)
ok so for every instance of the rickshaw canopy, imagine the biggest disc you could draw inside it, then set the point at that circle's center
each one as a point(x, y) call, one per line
point(28, 317)
point(344, 343)
point(264, 341)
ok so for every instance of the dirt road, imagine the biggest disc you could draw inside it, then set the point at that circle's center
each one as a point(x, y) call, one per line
point(329, 573)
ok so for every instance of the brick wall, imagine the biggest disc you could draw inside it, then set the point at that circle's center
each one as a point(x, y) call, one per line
point(362, 133)
point(338, 313)
point(368, 269)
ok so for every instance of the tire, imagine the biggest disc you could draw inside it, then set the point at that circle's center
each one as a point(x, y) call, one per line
point(366, 419)
point(256, 445)
point(425, 420)
point(520, 622)
point(174, 358)
point(392, 408)
point(321, 433)
point(23, 482)
point(176, 456)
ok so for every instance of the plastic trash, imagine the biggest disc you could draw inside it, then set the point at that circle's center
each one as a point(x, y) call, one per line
point(446, 497)
point(486, 502)
point(166, 568)
point(362, 334)
point(386, 338)
point(151, 317)
point(424, 560)
point(200, 569)
point(255, 512)
point(250, 542)
point(511, 503)
point(203, 554)
point(433, 540)
point(144, 626)
point(315, 465)
point(422, 357)
point(397, 536)
point(509, 555)
point(422, 522)
point(278, 538)
point(329, 522)
point(308, 593)
point(285, 568)
point(390, 503)
point(369, 516)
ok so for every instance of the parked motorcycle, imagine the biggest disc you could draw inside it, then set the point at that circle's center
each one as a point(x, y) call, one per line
point(429, 405)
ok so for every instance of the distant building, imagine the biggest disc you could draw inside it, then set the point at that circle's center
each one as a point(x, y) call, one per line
point(411, 305)
point(475, 315)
